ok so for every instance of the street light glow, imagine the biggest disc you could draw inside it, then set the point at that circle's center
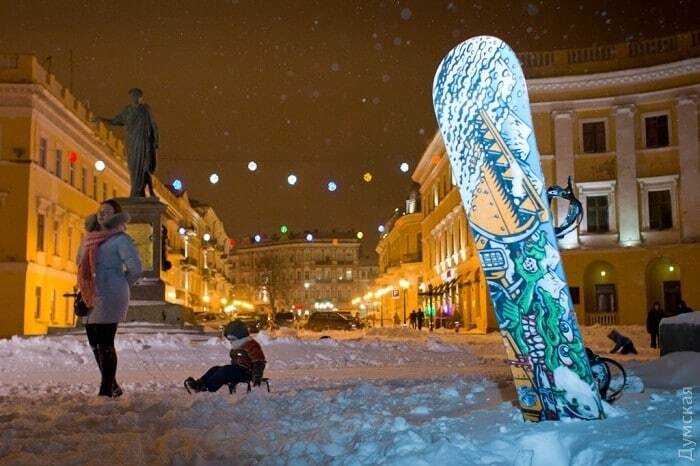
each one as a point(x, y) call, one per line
point(309, 237)
point(257, 238)
point(292, 179)
point(182, 231)
point(177, 184)
point(100, 166)
point(332, 186)
point(213, 178)
point(252, 166)
point(360, 235)
point(404, 167)
point(380, 228)
point(206, 237)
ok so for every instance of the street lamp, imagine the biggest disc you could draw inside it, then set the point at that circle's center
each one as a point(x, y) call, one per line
point(404, 284)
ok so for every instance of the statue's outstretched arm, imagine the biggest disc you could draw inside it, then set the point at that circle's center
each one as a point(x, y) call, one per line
point(118, 120)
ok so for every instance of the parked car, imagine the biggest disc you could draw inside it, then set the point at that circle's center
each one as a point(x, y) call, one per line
point(330, 320)
point(253, 320)
point(212, 322)
point(284, 319)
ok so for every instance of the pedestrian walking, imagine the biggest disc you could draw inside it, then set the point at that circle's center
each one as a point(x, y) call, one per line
point(108, 264)
point(654, 317)
point(412, 318)
point(419, 318)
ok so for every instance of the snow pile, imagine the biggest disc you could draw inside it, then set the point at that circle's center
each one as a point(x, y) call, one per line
point(687, 318)
point(396, 332)
point(673, 370)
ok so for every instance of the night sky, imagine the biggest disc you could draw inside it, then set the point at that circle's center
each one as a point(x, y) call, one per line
point(327, 90)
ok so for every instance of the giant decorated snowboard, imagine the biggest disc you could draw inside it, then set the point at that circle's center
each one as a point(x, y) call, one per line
point(482, 108)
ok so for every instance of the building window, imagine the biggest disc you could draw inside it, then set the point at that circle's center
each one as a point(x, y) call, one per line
point(52, 311)
point(43, 157)
point(593, 136)
point(71, 174)
point(69, 235)
point(348, 274)
point(59, 163)
point(94, 187)
point(605, 298)
point(597, 214)
point(307, 275)
point(593, 191)
point(660, 210)
point(575, 294)
point(56, 231)
point(656, 131)
point(37, 299)
point(40, 227)
point(83, 180)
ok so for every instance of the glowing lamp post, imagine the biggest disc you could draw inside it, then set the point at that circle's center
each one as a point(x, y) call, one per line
point(404, 284)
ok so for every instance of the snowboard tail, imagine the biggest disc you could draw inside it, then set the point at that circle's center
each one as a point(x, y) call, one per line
point(483, 112)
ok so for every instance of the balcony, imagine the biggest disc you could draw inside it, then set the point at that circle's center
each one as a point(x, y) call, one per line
point(414, 257)
point(601, 318)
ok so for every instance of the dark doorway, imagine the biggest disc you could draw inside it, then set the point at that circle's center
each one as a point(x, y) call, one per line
point(672, 296)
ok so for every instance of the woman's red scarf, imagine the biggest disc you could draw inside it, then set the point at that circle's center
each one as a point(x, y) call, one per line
point(86, 268)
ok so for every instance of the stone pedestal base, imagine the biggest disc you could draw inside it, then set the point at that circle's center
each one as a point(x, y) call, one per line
point(159, 312)
point(680, 333)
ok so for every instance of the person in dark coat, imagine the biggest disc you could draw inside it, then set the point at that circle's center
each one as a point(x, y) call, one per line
point(412, 318)
point(653, 320)
point(419, 318)
point(108, 264)
point(622, 343)
point(247, 362)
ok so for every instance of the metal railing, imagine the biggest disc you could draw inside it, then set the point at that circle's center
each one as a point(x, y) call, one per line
point(601, 318)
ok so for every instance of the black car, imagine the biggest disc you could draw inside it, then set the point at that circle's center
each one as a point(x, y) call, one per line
point(284, 319)
point(331, 320)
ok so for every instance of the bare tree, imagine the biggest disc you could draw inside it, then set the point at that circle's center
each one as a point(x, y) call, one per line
point(272, 274)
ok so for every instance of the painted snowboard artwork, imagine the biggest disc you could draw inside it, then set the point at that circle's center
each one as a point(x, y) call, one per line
point(483, 111)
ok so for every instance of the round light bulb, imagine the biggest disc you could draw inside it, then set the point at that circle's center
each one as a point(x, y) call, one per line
point(292, 179)
point(671, 268)
point(206, 237)
point(381, 228)
point(257, 238)
point(252, 166)
point(177, 185)
point(360, 235)
point(182, 231)
point(213, 178)
point(367, 177)
point(332, 186)
point(404, 167)
point(309, 237)
point(603, 273)
point(100, 166)
point(284, 229)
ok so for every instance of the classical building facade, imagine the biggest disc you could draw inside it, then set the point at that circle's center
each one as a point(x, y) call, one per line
point(291, 271)
point(49, 183)
point(629, 138)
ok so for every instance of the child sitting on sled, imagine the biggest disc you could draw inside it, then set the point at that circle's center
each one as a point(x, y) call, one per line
point(247, 362)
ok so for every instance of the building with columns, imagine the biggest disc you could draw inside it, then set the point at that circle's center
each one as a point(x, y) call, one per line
point(622, 120)
point(49, 183)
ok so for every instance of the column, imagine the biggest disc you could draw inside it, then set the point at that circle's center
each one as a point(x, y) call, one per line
point(626, 188)
point(564, 167)
point(689, 161)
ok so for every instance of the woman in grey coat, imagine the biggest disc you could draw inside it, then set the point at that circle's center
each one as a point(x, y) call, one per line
point(108, 264)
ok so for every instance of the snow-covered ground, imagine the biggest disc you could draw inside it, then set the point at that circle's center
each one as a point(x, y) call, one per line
point(384, 396)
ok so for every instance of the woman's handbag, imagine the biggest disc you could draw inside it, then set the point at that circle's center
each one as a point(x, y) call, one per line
point(79, 307)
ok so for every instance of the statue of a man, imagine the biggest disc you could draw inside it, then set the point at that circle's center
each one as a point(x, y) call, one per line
point(141, 142)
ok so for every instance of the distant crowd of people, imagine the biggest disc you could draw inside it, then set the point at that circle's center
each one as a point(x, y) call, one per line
point(656, 313)
point(417, 318)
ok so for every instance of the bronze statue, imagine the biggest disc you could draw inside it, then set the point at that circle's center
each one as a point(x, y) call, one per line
point(141, 142)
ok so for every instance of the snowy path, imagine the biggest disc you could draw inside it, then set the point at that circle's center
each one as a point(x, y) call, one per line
point(383, 398)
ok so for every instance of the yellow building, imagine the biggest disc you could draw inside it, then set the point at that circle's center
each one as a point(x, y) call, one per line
point(49, 183)
point(301, 271)
point(629, 138)
point(400, 265)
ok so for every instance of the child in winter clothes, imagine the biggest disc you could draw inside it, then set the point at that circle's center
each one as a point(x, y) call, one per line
point(247, 362)
point(622, 344)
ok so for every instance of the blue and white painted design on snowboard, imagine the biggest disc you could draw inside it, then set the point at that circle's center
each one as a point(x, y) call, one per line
point(483, 111)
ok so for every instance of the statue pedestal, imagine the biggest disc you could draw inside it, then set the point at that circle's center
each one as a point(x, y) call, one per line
point(147, 218)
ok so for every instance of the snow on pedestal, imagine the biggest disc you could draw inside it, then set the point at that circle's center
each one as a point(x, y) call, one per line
point(680, 333)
